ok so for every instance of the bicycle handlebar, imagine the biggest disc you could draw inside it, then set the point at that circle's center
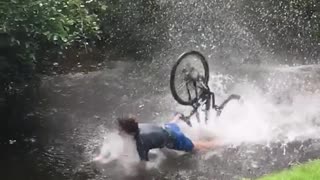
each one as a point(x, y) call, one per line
point(214, 106)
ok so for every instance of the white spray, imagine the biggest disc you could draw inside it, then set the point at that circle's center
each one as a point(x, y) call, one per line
point(255, 119)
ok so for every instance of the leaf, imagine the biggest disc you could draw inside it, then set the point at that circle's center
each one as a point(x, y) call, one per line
point(67, 29)
point(46, 33)
point(70, 22)
point(64, 39)
point(104, 7)
point(32, 56)
point(55, 37)
point(17, 42)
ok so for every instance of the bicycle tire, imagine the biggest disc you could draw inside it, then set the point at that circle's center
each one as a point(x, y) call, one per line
point(173, 76)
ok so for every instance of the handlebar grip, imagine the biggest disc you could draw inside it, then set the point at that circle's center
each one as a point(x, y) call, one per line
point(235, 96)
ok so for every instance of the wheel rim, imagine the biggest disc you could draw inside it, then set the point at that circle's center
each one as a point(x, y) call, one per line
point(190, 64)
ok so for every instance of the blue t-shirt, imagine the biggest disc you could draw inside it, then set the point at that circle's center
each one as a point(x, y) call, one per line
point(152, 136)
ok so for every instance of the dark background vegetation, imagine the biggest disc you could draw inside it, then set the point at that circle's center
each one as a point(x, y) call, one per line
point(49, 37)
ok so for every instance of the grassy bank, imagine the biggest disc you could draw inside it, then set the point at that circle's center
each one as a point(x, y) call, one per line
point(308, 171)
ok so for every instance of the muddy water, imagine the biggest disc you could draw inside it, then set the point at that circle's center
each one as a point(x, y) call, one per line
point(49, 127)
point(61, 125)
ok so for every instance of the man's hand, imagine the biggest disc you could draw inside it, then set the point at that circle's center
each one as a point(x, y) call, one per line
point(177, 116)
point(180, 116)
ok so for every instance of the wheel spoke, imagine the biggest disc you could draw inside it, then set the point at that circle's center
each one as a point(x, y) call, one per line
point(180, 86)
point(189, 94)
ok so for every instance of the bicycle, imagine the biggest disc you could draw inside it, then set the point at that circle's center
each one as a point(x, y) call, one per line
point(197, 79)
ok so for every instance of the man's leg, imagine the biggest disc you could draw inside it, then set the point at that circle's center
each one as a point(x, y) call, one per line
point(200, 145)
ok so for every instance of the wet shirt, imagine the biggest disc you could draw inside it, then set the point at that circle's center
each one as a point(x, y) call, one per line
point(150, 137)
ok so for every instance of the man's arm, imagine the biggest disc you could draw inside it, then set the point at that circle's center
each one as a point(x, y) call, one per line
point(142, 151)
point(176, 118)
point(206, 145)
point(143, 155)
point(180, 117)
point(104, 160)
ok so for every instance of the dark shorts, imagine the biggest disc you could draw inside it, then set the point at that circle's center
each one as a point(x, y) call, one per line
point(178, 140)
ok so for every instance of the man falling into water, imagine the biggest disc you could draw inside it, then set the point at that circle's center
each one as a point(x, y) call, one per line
point(150, 136)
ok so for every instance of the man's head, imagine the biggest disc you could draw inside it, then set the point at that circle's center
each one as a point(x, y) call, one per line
point(128, 125)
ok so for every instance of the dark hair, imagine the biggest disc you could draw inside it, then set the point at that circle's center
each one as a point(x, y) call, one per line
point(128, 125)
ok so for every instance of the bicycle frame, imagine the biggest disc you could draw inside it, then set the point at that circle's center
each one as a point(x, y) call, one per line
point(207, 97)
point(202, 93)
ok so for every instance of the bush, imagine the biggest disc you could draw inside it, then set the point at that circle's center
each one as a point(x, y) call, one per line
point(36, 24)
point(34, 29)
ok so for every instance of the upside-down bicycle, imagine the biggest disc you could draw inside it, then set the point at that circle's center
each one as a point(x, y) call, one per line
point(189, 85)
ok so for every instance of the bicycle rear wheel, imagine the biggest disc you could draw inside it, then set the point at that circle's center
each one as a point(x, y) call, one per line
point(188, 64)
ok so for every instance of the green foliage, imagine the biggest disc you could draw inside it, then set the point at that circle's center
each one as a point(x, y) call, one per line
point(308, 171)
point(33, 24)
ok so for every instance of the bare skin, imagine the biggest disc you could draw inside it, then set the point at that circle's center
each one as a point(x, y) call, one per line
point(200, 145)
point(205, 145)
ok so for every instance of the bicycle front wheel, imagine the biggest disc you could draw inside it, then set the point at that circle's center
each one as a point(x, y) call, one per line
point(185, 92)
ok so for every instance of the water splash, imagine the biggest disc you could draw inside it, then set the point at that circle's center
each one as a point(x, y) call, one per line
point(119, 152)
point(285, 108)
point(278, 104)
